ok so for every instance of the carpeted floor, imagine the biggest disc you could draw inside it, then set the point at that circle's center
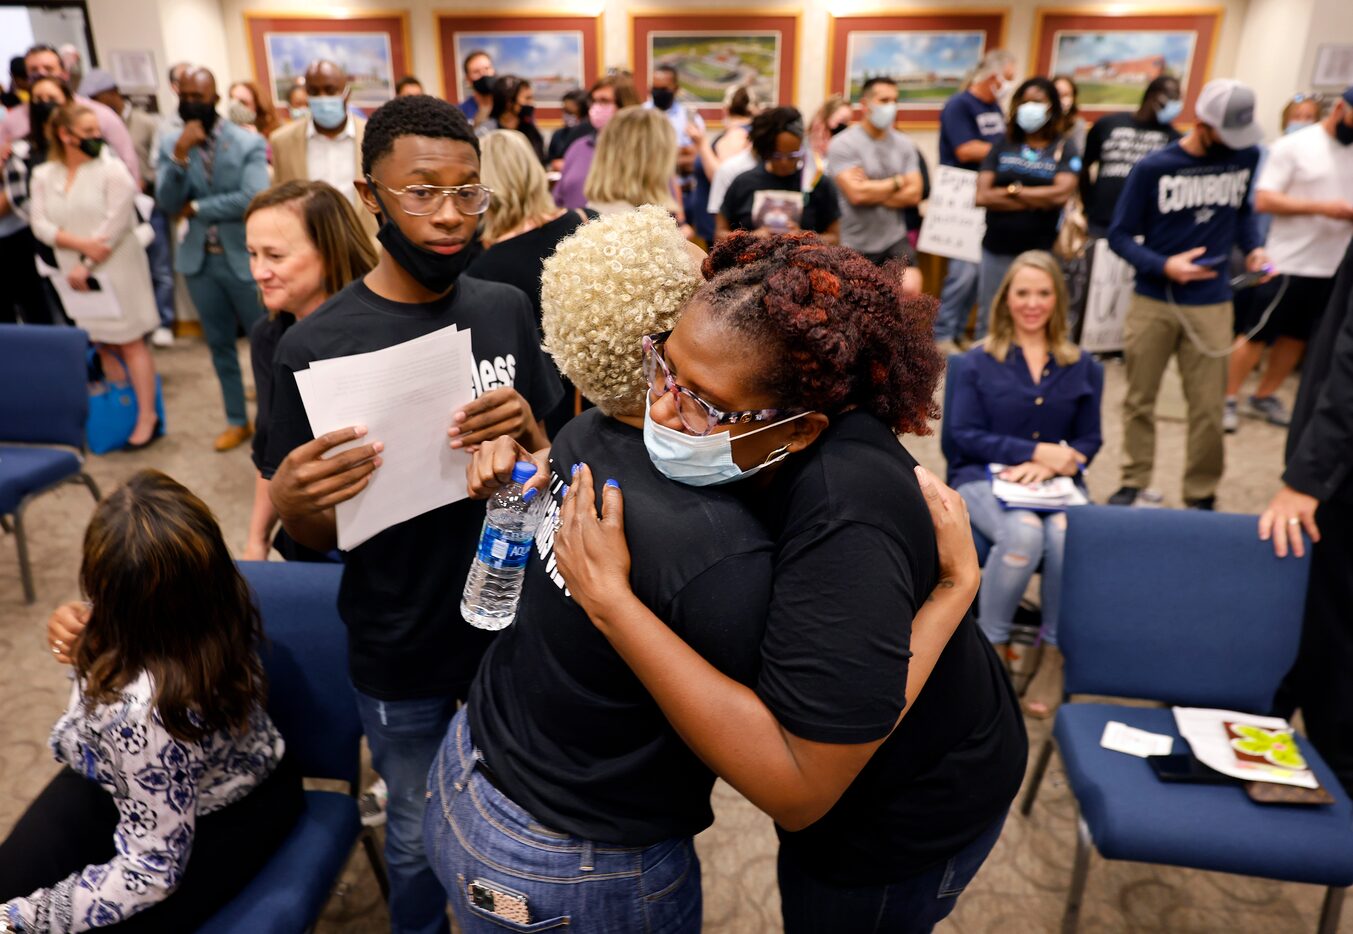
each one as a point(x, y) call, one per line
point(1021, 888)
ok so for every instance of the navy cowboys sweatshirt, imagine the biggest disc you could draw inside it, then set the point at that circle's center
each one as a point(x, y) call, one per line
point(1177, 202)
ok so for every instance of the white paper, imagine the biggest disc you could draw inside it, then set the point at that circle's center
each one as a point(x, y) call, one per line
point(1205, 731)
point(1123, 738)
point(1111, 283)
point(953, 225)
point(1333, 66)
point(405, 395)
point(1053, 493)
point(81, 306)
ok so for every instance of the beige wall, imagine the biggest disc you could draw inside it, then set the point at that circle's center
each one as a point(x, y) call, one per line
point(1268, 43)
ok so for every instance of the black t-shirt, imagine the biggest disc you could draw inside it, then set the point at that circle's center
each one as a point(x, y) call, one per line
point(1116, 143)
point(819, 207)
point(566, 727)
point(263, 341)
point(1012, 232)
point(855, 559)
point(400, 594)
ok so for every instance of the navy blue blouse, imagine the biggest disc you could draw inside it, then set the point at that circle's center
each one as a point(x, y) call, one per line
point(998, 414)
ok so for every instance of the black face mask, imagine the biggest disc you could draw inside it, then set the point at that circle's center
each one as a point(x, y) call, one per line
point(92, 147)
point(663, 98)
point(38, 114)
point(432, 271)
point(527, 112)
point(197, 110)
point(839, 128)
point(1343, 133)
point(483, 84)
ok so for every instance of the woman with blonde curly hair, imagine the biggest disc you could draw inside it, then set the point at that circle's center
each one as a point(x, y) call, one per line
point(561, 792)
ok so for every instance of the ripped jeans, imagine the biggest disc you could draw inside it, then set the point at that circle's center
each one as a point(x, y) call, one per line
point(1022, 539)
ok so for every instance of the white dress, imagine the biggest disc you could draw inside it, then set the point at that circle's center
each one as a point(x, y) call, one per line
point(98, 204)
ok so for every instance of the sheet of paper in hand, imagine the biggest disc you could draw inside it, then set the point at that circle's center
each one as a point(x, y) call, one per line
point(953, 225)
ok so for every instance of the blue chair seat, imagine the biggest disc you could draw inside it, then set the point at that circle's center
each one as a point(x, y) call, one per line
point(292, 888)
point(1132, 815)
point(25, 470)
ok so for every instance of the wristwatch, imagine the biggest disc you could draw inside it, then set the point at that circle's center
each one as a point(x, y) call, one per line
point(1013, 189)
point(897, 186)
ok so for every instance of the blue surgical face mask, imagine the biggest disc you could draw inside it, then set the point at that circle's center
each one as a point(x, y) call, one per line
point(1169, 112)
point(1297, 125)
point(328, 112)
point(702, 460)
point(1031, 116)
point(882, 115)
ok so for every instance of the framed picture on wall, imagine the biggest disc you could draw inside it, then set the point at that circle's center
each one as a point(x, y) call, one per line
point(929, 55)
point(555, 53)
point(374, 48)
point(1113, 57)
point(714, 51)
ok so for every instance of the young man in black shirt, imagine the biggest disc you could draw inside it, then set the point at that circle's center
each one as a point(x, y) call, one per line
point(1118, 142)
point(410, 654)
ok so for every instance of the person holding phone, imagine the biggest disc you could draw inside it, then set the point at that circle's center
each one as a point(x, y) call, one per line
point(1190, 204)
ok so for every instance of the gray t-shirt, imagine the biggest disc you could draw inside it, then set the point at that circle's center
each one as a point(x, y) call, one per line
point(871, 228)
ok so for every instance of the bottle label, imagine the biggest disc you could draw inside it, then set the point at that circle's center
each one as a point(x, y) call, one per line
point(499, 552)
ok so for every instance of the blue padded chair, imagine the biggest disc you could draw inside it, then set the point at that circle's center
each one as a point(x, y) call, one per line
point(956, 364)
point(311, 700)
point(44, 399)
point(1190, 609)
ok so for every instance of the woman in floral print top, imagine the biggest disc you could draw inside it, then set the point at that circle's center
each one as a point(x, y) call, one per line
point(166, 718)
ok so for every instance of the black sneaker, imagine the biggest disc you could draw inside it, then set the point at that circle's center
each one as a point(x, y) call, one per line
point(1125, 496)
point(1207, 504)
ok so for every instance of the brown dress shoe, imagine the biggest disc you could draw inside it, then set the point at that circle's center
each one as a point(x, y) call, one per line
point(233, 437)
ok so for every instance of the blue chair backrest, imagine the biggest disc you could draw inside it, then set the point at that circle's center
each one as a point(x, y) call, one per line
point(1180, 606)
point(951, 374)
point(44, 394)
point(306, 656)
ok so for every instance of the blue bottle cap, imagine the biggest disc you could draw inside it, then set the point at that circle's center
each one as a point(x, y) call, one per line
point(523, 471)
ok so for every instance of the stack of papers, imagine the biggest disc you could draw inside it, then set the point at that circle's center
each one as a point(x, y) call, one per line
point(1244, 746)
point(1047, 496)
point(405, 395)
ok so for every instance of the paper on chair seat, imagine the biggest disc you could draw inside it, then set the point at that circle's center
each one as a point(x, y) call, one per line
point(405, 396)
point(1244, 746)
point(1120, 737)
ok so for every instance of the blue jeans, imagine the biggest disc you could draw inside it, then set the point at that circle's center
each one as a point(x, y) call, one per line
point(956, 298)
point(404, 737)
point(476, 834)
point(910, 906)
point(1022, 539)
point(225, 303)
point(161, 268)
point(989, 276)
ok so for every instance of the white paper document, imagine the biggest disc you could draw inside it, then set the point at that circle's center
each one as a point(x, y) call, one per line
point(1245, 746)
point(1051, 495)
point(1123, 738)
point(94, 305)
point(405, 395)
point(953, 225)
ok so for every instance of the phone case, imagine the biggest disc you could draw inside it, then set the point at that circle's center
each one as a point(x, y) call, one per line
point(499, 900)
point(1273, 793)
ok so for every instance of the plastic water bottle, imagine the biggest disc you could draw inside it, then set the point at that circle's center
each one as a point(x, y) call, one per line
point(493, 585)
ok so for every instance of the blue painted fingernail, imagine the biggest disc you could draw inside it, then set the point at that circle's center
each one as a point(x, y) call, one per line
point(575, 467)
point(613, 482)
point(564, 491)
point(529, 495)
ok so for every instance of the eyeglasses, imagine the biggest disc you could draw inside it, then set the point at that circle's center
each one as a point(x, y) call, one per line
point(697, 416)
point(422, 200)
point(1301, 98)
point(795, 156)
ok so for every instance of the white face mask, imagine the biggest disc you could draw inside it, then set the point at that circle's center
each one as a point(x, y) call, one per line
point(703, 460)
point(882, 115)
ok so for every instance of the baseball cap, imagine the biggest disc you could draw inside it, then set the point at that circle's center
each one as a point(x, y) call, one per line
point(1348, 95)
point(96, 82)
point(1227, 106)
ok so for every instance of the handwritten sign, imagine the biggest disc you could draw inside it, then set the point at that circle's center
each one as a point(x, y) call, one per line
point(953, 224)
point(1106, 305)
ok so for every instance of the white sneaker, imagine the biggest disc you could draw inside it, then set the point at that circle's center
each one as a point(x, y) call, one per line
point(1230, 416)
point(163, 337)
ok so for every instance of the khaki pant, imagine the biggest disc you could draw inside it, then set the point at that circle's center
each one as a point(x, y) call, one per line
point(1152, 334)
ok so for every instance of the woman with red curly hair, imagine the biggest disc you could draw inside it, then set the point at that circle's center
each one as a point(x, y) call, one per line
point(812, 360)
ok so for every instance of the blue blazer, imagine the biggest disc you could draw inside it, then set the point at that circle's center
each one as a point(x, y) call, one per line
point(239, 172)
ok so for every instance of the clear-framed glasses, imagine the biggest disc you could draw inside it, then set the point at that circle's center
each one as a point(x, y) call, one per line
point(422, 200)
point(795, 156)
point(697, 416)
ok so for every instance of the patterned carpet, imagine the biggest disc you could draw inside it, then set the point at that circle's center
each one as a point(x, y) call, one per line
point(1022, 888)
